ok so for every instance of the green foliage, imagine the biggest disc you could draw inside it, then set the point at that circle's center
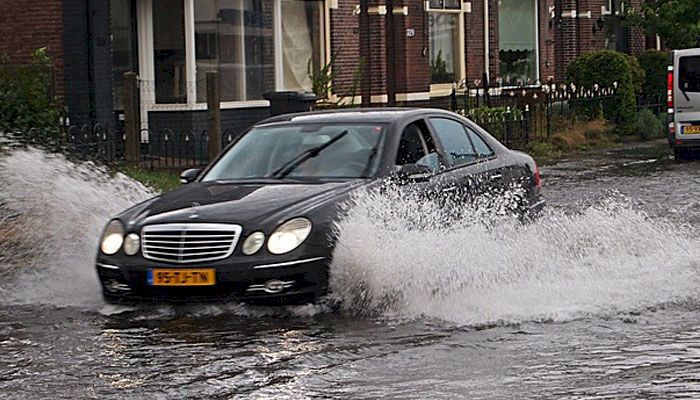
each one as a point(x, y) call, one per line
point(26, 99)
point(494, 119)
point(654, 64)
point(494, 114)
point(162, 181)
point(607, 68)
point(438, 70)
point(647, 125)
point(677, 22)
point(322, 80)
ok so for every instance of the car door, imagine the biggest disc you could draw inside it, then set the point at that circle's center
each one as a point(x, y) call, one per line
point(416, 145)
point(466, 174)
point(508, 180)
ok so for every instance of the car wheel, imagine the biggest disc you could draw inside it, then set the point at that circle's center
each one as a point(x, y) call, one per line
point(679, 154)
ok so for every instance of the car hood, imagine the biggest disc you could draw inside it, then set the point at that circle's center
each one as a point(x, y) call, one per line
point(257, 204)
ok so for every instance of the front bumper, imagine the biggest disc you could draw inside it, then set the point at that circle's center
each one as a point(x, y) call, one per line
point(306, 277)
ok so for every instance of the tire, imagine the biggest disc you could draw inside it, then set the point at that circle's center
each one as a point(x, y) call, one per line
point(679, 154)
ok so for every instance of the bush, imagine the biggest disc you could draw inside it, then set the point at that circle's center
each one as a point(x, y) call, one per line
point(604, 68)
point(495, 120)
point(494, 114)
point(26, 100)
point(654, 64)
point(647, 125)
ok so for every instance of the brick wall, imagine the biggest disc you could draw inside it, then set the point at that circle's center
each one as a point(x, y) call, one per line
point(546, 39)
point(413, 60)
point(29, 25)
point(344, 35)
point(474, 42)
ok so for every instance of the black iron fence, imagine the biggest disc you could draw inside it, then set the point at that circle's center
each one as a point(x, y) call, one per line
point(519, 115)
point(514, 116)
point(162, 149)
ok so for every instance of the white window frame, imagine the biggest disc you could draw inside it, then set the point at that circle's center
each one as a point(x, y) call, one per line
point(538, 82)
point(147, 62)
point(443, 89)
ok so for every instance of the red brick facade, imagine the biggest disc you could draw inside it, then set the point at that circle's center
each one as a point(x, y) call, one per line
point(563, 35)
point(28, 25)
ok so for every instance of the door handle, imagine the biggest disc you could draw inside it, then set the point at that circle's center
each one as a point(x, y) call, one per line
point(496, 177)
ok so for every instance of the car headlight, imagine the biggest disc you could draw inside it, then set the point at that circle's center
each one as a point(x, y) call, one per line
point(289, 236)
point(131, 244)
point(253, 243)
point(113, 237)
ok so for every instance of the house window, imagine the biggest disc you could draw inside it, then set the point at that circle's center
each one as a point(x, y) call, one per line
point(169, 51)
point(257, 46)
point(234, 37)
point(445, 22)
point(517, 36)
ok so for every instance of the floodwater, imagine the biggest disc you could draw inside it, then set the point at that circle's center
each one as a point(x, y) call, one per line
point(599, 298)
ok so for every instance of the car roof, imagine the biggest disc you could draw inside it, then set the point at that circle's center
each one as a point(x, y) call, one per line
point(353, 115)
point(688, 52)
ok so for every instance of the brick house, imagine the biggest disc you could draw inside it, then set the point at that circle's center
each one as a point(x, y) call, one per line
point(411, 56)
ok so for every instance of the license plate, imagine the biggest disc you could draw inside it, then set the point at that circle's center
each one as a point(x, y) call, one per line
point(691, 129)
point(181, 277)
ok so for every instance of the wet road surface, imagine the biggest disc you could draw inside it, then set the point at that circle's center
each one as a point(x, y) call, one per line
point(615, 315)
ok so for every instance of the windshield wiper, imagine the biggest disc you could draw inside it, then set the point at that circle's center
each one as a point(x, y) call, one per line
point(292, 164)
point(370, 159)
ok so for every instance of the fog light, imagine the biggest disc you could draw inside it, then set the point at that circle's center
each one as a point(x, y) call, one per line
point(131, 244)
point(114, 286)
point(253, 243)
point(276, 286)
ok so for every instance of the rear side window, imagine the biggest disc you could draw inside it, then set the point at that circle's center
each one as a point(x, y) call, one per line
point(455, 141)
point(482, 149)
point(689, 74)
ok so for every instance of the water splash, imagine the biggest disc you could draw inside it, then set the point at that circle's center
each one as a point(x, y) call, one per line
point(395, 256)
point(51, 212)
point(605, 258)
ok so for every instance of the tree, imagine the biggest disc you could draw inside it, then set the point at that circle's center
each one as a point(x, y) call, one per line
point(677, 22)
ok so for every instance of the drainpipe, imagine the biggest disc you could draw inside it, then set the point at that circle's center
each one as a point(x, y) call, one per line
point(578, 32)
point(365, 54)
point(390, 54)
point(486, 39)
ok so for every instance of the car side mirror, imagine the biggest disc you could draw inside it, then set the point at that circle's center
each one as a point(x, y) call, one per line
point(414, 172)
point(189, 175)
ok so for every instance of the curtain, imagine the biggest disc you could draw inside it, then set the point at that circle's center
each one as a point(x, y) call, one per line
point(516, 24)
point(297, 44)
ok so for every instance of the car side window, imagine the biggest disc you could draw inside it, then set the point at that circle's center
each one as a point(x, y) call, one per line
point(416, 147)
point(455, 141)
point(482, 149)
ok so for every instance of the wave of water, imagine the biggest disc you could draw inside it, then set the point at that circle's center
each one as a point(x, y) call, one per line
point(602, 259)
point(52, 212)
point(395, 257)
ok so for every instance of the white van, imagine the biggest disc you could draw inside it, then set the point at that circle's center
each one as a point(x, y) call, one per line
point(684, 101)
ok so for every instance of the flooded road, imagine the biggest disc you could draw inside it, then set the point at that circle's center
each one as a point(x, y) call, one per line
point(598, 299)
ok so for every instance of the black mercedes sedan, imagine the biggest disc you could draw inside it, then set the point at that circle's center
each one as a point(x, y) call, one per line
point(258, 222)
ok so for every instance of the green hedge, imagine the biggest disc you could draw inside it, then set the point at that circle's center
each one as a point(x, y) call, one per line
point(654, 63)
point(26, 98)
point(604, 68)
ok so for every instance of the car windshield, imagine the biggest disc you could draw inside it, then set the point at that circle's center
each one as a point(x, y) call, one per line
point(302, 151)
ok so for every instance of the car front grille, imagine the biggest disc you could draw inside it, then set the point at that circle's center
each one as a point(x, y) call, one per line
point(189, 243)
